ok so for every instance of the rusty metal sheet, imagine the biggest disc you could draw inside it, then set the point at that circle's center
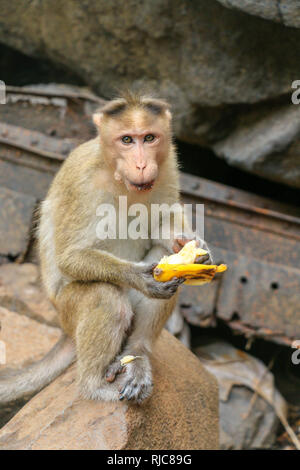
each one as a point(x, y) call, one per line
point(51, 120)
point(254, 230)
point(56, 91)
point(228, 195)
point(30, 159)
point(34, 142)
point(16, 212)
point(259, 295)
point(252, 242)
point(260, 299)
point(63, 111)
point(29, 181)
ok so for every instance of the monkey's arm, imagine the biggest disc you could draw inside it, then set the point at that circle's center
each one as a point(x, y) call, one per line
point(90, 264)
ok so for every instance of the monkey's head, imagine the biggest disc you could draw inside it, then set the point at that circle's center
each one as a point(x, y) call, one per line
point(135, 137)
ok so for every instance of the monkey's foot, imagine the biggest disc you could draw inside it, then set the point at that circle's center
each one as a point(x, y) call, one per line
point(137, 382)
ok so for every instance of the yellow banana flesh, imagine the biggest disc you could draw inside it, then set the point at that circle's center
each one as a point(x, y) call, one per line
point(182, 264)
point(186, 255)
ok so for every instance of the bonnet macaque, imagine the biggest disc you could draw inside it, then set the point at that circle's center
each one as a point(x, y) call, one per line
point(103, 289)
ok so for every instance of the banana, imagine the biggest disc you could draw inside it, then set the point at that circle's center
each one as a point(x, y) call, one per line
point(182, 264)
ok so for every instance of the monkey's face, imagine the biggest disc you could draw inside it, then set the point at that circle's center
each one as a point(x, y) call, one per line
point(136, 144)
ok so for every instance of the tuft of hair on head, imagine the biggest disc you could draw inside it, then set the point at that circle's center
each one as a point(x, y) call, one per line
point(128, 100)
point(113, 107)
point(131, 100)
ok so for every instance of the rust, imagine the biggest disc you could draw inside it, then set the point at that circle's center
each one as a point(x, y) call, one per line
point(57, 93)
point(31, 148)
point(259, 296)
point(34, 142)
point(16, 211)
point(223, 192)
point(252, 333)
point(263, 295)
point(278, 219)
point(29, 159)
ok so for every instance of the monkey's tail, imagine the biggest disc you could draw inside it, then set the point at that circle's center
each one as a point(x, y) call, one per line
point(16, 384)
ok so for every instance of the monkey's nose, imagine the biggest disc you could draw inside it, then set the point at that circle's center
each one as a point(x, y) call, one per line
point(141, 166)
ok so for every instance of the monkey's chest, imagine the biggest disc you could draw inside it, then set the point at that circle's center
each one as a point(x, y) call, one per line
point(124, 235)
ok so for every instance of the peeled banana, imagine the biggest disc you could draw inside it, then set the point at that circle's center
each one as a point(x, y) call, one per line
point(186, 255)
point(182, 264)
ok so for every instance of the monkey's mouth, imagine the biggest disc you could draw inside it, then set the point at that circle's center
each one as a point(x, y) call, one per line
point(142, 186)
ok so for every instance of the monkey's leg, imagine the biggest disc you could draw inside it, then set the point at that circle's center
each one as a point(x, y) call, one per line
point(150, 315)
point(101, 314)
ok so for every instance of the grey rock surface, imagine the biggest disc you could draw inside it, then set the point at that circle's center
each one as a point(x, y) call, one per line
point(286, 12)
point(250, 404)
point(268, 146)
point(218, 62)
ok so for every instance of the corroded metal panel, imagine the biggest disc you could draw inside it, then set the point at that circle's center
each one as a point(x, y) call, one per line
point(16, 212)
point(259, 240)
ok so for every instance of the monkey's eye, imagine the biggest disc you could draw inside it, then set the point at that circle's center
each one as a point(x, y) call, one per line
point(149, 138)
point(127, 139)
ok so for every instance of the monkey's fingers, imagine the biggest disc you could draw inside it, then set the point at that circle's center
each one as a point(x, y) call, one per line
point(205, 259)
point(149, 269)
point(171, 287)
point(176, 247)
point(180, 242)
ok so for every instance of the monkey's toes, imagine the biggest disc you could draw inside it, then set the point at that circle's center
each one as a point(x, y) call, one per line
point(113, 370)
point(137, 385)
point(136, 392)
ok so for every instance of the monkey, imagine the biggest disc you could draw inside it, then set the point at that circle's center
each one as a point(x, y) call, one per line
point(103, 289)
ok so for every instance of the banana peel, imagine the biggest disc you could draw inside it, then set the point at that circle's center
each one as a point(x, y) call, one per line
point(127, 359)
point(195, 274)
point(182, 265)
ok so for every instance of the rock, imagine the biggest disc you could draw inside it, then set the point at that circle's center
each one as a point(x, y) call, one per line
point(21, 291)
point(25, 339)
point(243, 430)
point(196, 53)
point(181, 414)
point(268, 145)
point(212, 60)
point(250, 404)
point(22, 340)
point(286, 12)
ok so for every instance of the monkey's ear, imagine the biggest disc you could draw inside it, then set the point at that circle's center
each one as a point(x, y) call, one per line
point(97, 118)
point(168, 114)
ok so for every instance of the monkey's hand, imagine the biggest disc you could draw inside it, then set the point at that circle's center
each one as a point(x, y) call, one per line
point(155, 289)
point(183, 239)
